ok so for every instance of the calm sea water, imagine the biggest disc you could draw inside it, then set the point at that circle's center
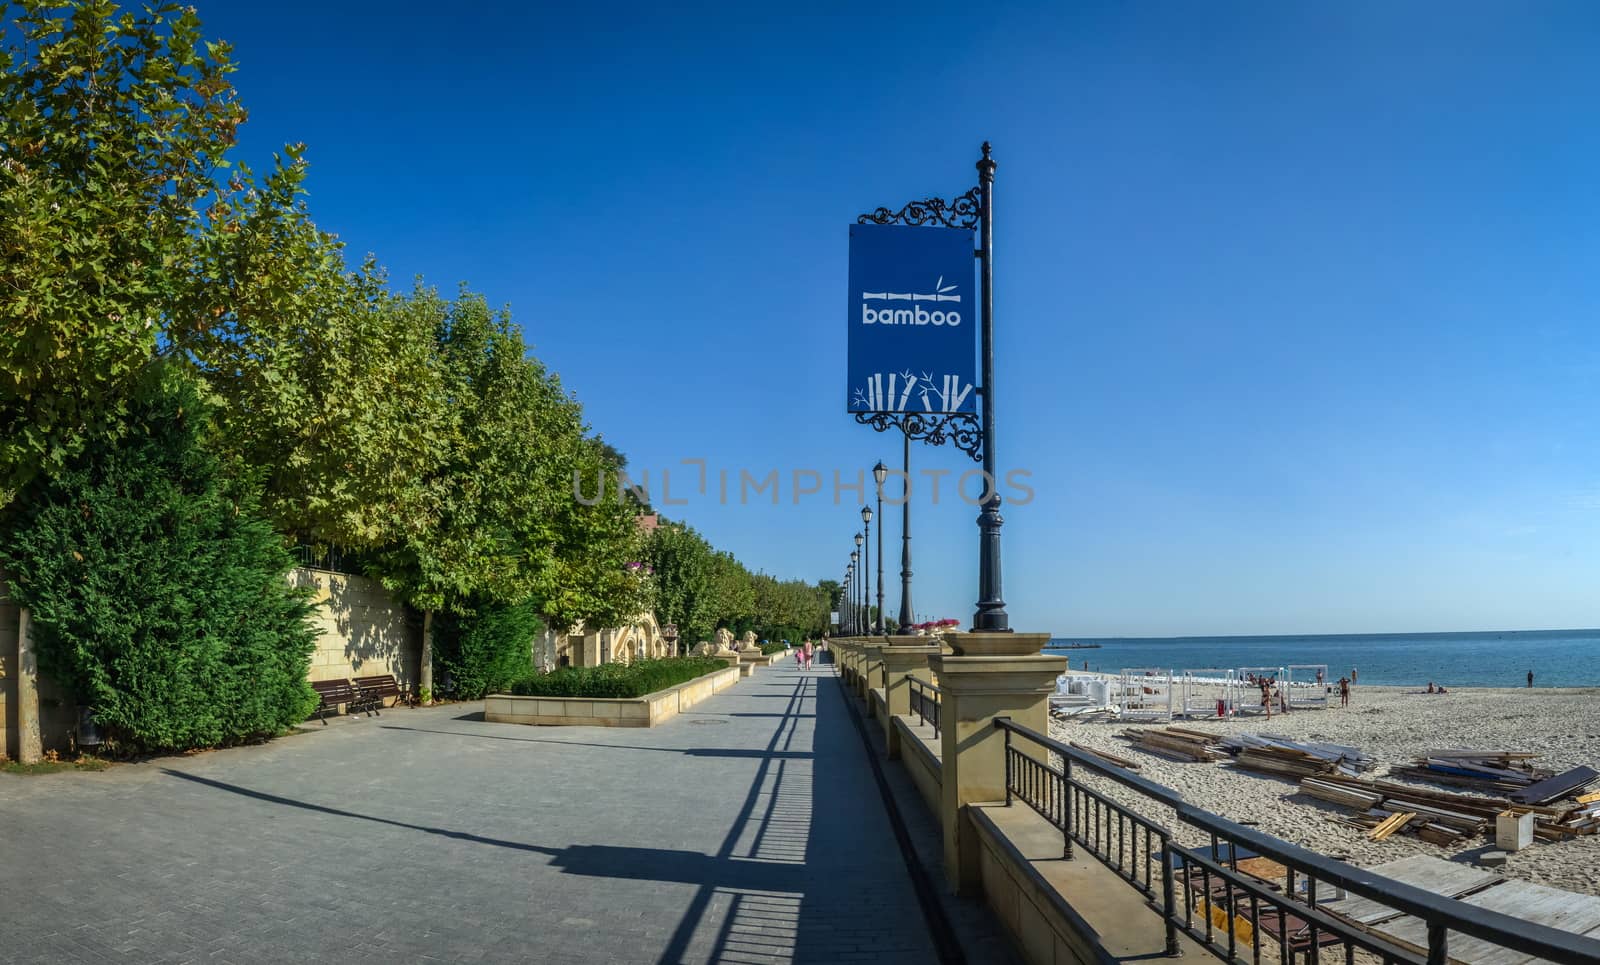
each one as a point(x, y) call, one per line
point(1558, 658)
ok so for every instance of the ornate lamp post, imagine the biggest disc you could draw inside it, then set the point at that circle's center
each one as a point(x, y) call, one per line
point(880, 472)
point(866, 564)
point(905, 539)
point(972, 433)
point(861, 586)
point(855, 594)
point(991, 610)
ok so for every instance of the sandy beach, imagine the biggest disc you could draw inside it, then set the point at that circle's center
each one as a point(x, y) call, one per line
point(1392, 725)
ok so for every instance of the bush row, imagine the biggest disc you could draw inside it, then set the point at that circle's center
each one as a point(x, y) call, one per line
point(616, 680)
point(772, 648)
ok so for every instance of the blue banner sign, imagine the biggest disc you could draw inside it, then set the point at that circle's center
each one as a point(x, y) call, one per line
point(913, 319)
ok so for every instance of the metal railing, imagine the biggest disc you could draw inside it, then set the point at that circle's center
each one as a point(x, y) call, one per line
point(925, 699)
point(1228, 910)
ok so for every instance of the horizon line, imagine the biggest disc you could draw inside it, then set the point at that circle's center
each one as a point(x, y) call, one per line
point(1280, 636)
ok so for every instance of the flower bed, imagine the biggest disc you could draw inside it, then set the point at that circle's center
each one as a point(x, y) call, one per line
point(616, 680)
point(707, 677)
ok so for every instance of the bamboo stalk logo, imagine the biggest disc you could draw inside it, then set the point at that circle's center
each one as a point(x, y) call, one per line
point(891, 391)
point(939, 294)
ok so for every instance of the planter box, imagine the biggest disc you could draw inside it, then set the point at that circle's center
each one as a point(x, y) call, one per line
point(646, 711)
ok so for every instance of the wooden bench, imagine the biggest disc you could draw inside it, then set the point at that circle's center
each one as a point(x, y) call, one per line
point(374, 690)
point(332, 694)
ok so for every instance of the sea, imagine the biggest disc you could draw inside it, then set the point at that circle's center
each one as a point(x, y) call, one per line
point(1496, 658)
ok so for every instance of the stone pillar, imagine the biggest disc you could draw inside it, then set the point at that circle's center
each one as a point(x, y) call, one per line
point(871, 668)
point(30, 745)
point(987, 675)
point(905, 657)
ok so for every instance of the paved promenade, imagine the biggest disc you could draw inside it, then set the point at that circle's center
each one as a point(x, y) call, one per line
point(748, 831)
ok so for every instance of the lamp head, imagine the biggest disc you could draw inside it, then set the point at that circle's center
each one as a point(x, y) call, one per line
point(880, 472)
point(866, 514)
point(860, 539)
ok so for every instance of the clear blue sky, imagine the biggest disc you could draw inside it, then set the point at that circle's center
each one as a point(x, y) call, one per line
point(1295, 302)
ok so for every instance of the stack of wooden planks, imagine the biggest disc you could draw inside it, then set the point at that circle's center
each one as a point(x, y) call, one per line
point(1489, 770)
point(1177, 743)
point(1391, 824)
point(1108, 758)
point(1439, 817)
point(1272, 754)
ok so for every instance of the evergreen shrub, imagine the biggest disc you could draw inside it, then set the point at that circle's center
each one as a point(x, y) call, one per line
point(159, 594)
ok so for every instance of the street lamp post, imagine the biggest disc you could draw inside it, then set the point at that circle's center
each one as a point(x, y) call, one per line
point(855, 597)
point(880, 472)
point(972, 433)
point(905, 538)
point(991, 611)
point(866, 563)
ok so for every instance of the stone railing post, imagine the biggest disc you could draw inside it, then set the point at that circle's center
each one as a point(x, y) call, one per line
point(904, 658)
point(871, 668)
point(987, 675)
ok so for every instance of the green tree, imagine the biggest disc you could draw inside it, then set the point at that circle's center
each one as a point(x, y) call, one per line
point(329, 385)
point(684, 594)
point(112, 128)
point(600, 576)
point(159, 590)
point(488, 649)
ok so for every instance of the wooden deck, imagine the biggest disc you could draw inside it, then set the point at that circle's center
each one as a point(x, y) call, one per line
point(1539, 904)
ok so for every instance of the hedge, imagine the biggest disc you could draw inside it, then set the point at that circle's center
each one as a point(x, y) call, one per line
point(771, 648)
point(617, 680)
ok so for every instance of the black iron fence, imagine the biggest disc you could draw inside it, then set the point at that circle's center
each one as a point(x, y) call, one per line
point(326, 557)
point(1235, 914)
point(925, 702)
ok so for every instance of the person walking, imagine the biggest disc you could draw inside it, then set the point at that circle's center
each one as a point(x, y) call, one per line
point(1352, 676)
point(1530, 678)
point(1344, 691)
point(806, 649)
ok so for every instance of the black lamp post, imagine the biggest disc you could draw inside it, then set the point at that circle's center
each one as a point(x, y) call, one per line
point(861, 586)
point(855, 588)
point(991, 615)
point(880, 472)
point(972, 433)
point(866, 563)
point(905, 540)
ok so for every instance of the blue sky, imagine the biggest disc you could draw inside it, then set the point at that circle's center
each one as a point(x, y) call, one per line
point(1295, 302)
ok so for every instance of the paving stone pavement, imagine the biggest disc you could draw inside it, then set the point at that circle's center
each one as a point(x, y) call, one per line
point(745, 831)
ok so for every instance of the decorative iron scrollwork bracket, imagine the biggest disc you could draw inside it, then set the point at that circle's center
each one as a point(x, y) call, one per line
point(934, 428)
point(964, 213)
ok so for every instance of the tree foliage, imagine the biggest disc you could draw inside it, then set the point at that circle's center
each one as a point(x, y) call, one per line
point(112, 128)
point(701, 589)
point(159, 591)
point(487, 649)
point(328, 384)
